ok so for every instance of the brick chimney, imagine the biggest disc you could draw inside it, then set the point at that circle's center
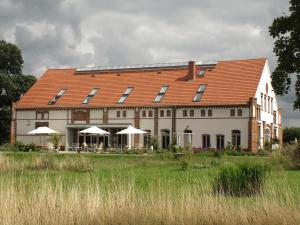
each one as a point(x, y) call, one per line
point(192, 70)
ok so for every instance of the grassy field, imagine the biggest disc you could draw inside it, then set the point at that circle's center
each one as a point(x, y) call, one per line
point(39, 188)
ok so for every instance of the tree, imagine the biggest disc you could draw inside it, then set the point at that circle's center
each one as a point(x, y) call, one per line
point(12, 84)
point(285, 30)
point(11, 61)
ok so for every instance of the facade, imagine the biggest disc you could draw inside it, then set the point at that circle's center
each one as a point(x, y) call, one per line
point(208, 104)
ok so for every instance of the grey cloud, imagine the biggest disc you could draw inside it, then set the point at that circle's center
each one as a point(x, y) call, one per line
point(68, 33)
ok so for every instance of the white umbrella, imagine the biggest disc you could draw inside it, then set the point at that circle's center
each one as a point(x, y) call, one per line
point(94, 131)
point(43, 130)
point(131, 130)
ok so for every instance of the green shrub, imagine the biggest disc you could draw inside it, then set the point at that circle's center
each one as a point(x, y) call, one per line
point(154, 142)
point(55, 139)
point(176, 148)
point(7, 148)
point(239, 153)
point(296, 157)
point(268, 146)
point(242, 180)
point(19, 146)
point(31, 148)
point(289, 134)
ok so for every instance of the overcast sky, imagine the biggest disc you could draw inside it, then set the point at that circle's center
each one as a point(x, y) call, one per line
point(72, 33)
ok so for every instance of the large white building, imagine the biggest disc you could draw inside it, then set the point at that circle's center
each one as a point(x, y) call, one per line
point(217, 102)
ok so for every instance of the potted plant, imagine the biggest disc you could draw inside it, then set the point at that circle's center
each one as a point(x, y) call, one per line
point(55, 140)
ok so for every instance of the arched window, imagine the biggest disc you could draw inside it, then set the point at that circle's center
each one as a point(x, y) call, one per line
point(267, 135)
point(236, 139)
point(187, 136)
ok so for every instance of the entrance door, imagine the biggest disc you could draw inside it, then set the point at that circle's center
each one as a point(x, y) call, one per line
point(220, 142)
point(187, 137)
point(236, 139)
point(205, 141)
point(165, 138)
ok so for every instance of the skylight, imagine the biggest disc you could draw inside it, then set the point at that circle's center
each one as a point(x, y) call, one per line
point(125, 95)
point(161, 93)
point(201, 73)
point(58, 96)
point(90, 96)
point(199, 93)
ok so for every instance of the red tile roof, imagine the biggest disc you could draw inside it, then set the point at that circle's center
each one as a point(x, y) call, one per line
point(229, 83)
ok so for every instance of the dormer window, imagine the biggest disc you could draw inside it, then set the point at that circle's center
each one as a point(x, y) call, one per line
point(58, 96)
point(161, 93)
point(125, 95)
point(199, 93)
point(90, 96)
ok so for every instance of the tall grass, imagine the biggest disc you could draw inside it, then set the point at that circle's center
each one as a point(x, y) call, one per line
point(48, 204)
point(44, 162)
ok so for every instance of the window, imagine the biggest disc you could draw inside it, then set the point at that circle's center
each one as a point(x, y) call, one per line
point(258, 113)
point(236, 139)
point(267, 135)
point(162, 113)
point(240, 112)
point(58, 96)
point(161, 93)
point(269, 105)
point(165, 138)
point(275, 132)
point(144, 113)
point(265, 103)
point(201, 72)
point(220, 141)
point(168, 113)
point(272, 105)
point(184, 113)
point(209, 112)
point(124, 114)
point(42, 115)
point(118, 114)
point(205, 141)
point(199, 93)
point(39, 115)
point(202, 112)
point(150, 113)
point(147, 138)
point(41, 124)
point(274, 118)
point(125, 95)
point(46, 115)
point(192, 113)
point(261, 100)
point(90, 96)
point(232, 112)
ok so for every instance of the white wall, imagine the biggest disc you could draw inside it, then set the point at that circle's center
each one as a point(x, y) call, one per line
point(26, 122)
point(112, 116)
point(96, 116)
point(266, 79)
point(220, 123)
